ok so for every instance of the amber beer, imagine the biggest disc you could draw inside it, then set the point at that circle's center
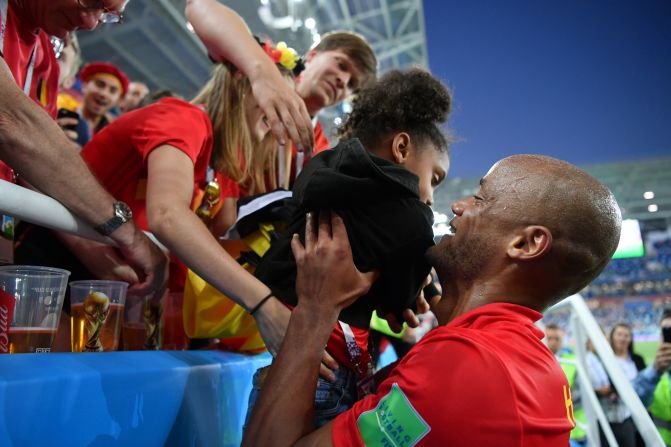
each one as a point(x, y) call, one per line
point(30, 339)
point(109, 335)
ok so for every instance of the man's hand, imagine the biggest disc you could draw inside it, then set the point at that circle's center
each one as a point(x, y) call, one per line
point(327, 278)
point(104, 261)
point(150, 263)
point(64, 122)
point(422, 304)
point(284, 109)
point(663, 357)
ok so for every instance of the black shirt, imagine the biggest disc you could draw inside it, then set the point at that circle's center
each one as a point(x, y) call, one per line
point(389, 228)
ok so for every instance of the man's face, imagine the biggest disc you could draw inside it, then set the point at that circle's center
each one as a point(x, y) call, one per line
point(58, 17)
point(136, 93)
point(477, 232)
point(329, 77)
point(554, 339)
point(101, 93)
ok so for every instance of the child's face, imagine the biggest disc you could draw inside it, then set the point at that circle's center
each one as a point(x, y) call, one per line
point(430, 166)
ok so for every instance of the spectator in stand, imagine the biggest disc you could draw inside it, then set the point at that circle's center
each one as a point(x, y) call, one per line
point(653, 386)
point(68, 54)
point(483, 377)
point(104, 84)
point(622, 341)
point(554, 337)
point(33, 144)
point(137, 91)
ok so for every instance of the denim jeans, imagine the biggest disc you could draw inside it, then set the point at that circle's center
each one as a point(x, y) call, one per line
point(331, 398)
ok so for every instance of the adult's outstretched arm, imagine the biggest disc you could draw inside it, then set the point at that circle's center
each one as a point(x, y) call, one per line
point(35, 147)
point(327, 282)
point(227, 37)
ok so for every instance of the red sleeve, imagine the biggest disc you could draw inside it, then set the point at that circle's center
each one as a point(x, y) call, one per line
point(175, 123)
point(448, 393)
point(321, 142)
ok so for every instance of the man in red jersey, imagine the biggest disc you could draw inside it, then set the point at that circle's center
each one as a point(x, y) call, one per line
point(538, 230)
point(32, 143)
point(337, 67)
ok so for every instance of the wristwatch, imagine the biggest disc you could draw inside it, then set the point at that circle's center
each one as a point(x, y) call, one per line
point(122, 214)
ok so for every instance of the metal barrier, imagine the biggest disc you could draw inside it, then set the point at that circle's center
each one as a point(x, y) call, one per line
point(39, 209)
point(584, 327)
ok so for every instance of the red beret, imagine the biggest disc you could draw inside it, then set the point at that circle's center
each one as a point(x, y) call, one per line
point(95, 68)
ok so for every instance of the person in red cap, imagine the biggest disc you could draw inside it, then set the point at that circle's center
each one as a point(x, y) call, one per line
point(104, 84)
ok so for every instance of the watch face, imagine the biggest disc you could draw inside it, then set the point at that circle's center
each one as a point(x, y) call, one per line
point(122, 210)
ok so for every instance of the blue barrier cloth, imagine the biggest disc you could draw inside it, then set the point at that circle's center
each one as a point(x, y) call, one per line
point(143, 398)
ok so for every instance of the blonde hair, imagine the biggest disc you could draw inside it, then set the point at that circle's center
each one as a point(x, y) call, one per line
point(235, 152)
point(223, 97)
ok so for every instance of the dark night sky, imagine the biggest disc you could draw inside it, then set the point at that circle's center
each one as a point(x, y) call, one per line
point(585, 81)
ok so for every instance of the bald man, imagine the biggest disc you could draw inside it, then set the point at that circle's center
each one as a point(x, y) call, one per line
point(537, 230)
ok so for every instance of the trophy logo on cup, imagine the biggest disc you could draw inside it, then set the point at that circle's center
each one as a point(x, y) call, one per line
point(96, 309)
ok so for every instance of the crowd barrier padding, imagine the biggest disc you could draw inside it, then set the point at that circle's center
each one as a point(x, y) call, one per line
point(144, 398)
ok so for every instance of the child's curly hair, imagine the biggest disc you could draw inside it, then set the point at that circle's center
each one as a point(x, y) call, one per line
point(413, 101)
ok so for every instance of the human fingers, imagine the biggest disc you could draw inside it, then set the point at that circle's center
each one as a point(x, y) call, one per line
point(324, 231)
point(297, 123)
point(421, 304)
point(329, 361)
point(326, 373)
point(393, 322)
point(297, 248)
point(71, 134)
point(276, 126)
point(67, 122)
point(310, 236)
point(410, 318)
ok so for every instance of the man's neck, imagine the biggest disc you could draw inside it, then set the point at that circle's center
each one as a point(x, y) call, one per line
point(91, 119)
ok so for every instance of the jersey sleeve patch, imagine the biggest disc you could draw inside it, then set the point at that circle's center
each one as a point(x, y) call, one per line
point(394, 422)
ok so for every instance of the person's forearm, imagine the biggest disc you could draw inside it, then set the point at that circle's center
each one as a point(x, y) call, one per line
point(186, 236)
point(226, 36)
point(36, 148)
point(284, 412)
point(645, 384)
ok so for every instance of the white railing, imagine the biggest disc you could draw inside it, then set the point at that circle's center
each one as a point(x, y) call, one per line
point(584, 327)
point(31, 206)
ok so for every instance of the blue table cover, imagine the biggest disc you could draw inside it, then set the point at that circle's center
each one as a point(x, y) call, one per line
point(150, 398)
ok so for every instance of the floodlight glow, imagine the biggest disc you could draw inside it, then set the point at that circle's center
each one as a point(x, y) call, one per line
point(189, 26)
point(310, 23)
point(631, 243)
point(439, 218)
point(653, 208)
point(648, 195)
point(441, 229)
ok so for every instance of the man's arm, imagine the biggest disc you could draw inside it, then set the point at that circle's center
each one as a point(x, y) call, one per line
point(327, 281)
point(646, 380)
point(227, 37)
point(33, 145)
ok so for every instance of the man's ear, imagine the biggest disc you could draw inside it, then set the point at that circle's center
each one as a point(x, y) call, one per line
point(532, 242)
point(310, 54)
point(400, 147)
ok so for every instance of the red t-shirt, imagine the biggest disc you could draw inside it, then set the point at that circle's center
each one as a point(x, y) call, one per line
point(484, 379)
point(19, 42)
point(117, 155)
point(321, 144)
